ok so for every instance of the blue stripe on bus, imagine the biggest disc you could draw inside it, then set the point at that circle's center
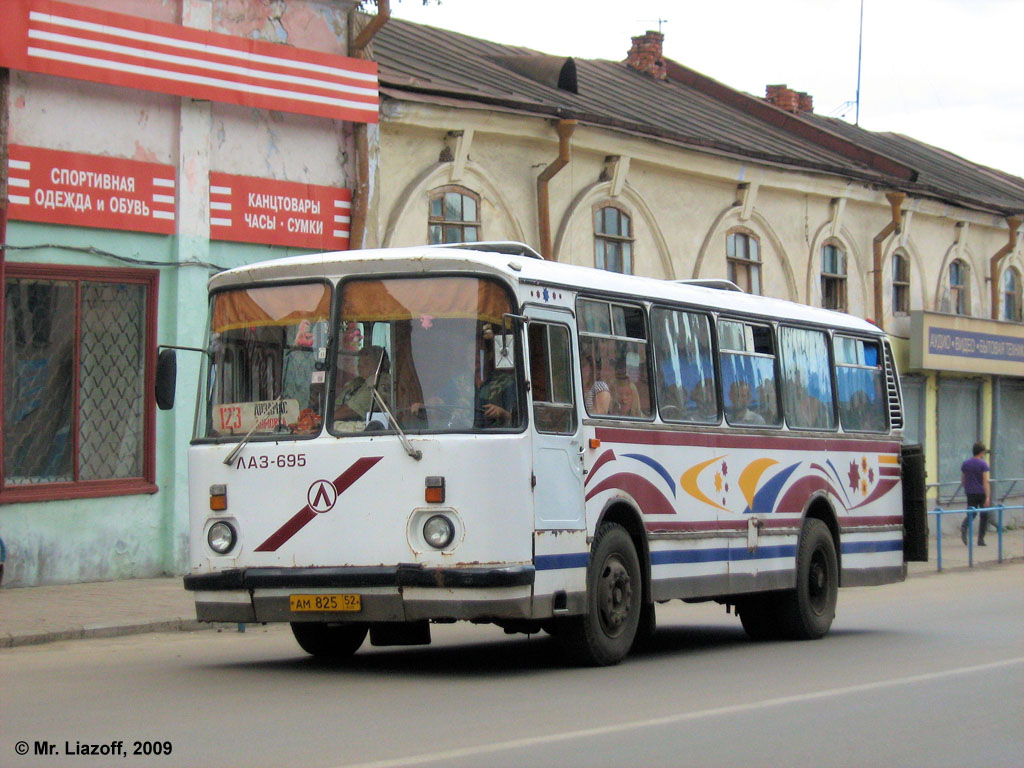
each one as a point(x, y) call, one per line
point(557, 562)
point(715, 554)
point(861, 547)
point(720, 554)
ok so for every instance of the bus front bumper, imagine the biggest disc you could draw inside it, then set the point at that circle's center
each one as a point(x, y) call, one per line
point(386, 593)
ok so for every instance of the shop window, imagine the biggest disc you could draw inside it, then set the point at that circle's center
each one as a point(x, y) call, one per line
point(833, 277)
point(1011, 295)
point(959, 284)
point(743, 255)
point(900, 283)
point(613, 240)
point(454, 216)
point(77, 377)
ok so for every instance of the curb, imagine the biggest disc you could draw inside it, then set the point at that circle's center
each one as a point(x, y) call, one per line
point(107, 631)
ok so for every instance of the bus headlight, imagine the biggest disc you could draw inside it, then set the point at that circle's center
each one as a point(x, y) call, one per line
point(438, 531)
point(221, 537)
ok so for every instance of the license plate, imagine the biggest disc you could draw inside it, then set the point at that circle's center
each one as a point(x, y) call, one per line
point(329, 603)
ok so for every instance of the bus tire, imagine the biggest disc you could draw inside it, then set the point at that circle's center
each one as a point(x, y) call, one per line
point(806, 613)
point(759, 615)
point(329, 641)
point(605, 633)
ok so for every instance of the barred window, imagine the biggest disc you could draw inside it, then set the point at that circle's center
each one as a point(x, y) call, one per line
point(454, 216)
point(613, 240)
point(833, 277)
point(743, 254)
point(78, 343)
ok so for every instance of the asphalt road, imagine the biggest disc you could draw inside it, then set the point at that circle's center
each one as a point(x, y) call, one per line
point(925, 673)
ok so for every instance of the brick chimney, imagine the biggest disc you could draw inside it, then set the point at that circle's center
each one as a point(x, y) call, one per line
point(786, 98)
point(645, 55)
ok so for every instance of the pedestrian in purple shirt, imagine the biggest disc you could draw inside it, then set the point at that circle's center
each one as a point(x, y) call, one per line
point(974, 476)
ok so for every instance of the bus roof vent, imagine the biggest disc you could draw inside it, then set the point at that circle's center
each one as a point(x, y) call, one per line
point(505, 247)
point(712, 282)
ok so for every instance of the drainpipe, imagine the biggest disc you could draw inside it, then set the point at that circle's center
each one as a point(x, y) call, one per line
point(895, 201)
point(565, 130)
point(993, 264)
point(360, 203)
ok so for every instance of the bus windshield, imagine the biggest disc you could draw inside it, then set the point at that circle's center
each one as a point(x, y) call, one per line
point(439, 350)
point(266, 361)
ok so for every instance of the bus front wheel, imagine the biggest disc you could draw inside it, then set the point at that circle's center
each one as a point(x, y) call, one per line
point(329, 641)
point(605, 633)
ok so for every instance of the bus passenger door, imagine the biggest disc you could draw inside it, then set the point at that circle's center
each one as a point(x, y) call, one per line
point(555, 425)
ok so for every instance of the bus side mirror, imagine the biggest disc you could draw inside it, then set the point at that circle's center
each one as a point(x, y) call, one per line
point(166, 379)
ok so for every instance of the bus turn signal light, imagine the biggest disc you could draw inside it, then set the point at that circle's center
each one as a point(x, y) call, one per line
point(595, 443)
point(434, 492)
point(218, 498)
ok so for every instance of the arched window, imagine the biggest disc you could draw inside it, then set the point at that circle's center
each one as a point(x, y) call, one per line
point(613, 240)
point(959, 293)
point(833, 277)
point(1011, 295)
point(900, 283)
point(454, 216)
point(743, 256)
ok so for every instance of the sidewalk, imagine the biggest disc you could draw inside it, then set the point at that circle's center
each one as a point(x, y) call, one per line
point(33, 615)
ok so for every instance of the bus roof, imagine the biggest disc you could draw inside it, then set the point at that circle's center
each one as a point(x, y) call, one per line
point(528, 269)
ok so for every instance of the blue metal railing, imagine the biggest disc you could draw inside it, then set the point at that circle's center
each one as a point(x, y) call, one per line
point(971, 515)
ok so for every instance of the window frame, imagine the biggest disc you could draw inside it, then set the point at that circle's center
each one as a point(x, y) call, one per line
point(750, 266)
point(615, 338)
point(836, 279)
point(439, 193)
point(959, 292)
point(618, 239)
point(748, 322)
point(1011, 313)
point(900, 283)
point(145, 483)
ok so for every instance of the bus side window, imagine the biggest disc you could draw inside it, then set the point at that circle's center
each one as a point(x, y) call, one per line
point(861, 385)
point(807, 379)
point(613, 348)
point(685, 375)
point(554, 410)
point(748, 374)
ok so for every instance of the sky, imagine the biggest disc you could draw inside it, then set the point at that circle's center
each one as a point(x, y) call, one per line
point(946, 72)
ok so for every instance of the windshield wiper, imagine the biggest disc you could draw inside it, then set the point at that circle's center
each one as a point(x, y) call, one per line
point(241, 444)
point(413, 452)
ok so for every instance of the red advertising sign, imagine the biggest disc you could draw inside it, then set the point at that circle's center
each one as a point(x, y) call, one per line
point(247, 209)
point(57, 187)
point(70, 40)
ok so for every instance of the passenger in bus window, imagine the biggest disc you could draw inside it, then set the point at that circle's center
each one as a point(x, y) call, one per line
point(627, 398)
point(739, 400)
point(597, 395)
point(355, 398)
point(703, 405)
point(769, 401)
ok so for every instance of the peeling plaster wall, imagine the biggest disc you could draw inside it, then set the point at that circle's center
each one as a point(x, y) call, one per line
point(147, 535)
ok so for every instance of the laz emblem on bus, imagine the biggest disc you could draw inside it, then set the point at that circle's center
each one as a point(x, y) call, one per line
point(321, 497)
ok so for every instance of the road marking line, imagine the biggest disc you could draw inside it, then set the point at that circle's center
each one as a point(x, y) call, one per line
point(682, 717)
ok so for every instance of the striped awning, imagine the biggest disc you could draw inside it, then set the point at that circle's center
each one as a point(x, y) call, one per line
point(84, 43)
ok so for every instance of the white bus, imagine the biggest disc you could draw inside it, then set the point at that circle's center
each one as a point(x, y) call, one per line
point(394, 438)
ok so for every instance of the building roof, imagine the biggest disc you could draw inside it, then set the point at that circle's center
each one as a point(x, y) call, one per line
point(423, 63)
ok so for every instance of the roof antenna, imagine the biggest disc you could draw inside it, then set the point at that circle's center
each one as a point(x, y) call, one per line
point(659, 20)
point(860, 46)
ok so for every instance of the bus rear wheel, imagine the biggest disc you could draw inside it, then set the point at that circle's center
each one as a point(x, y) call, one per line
point(605, 634)
point(806, 612)
point(329, 641)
